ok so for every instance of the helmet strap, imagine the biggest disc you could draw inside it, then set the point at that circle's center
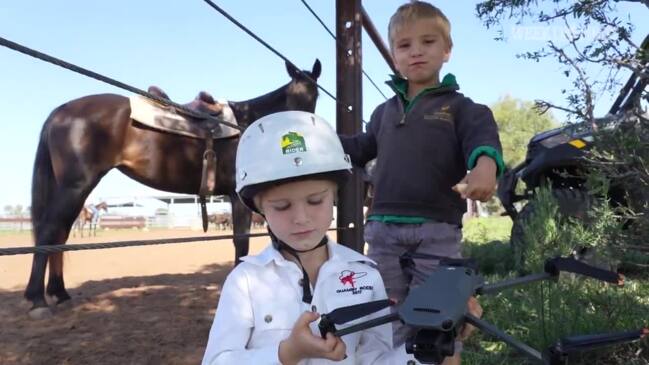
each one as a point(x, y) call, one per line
point(280, 245)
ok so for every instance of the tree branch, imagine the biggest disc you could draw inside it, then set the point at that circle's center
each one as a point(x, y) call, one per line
point(583, 80)
point(543, 106)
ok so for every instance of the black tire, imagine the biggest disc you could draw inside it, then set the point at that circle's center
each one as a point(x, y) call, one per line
point(574, 203)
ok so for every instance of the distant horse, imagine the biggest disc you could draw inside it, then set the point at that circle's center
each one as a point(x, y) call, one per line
point(221, 221)
point(258, 221)
point(85, 138)
point(89, 214)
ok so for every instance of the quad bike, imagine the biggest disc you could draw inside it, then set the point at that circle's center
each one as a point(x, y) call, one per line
point(556, 159)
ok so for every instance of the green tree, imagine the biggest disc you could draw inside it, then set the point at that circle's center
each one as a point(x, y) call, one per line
point(518, 121)
point(14, 210)
point(597, 51)
point(596, 43)
point(18, 210)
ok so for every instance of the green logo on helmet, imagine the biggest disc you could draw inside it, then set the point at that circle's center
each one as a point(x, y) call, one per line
point(293, 142)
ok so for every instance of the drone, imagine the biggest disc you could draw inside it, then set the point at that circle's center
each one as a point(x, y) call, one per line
point(438, 319)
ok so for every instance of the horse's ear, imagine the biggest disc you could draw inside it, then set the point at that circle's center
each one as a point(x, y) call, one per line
point(292, 71)
point(317, 69)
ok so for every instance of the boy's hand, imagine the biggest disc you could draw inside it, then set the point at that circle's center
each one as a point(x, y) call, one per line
point(474, 309)
point(303, 344)
point(479, 183)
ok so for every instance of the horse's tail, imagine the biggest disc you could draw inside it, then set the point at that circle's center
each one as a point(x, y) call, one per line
point(43, 180)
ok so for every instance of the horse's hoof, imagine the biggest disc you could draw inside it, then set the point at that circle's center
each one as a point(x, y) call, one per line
point(40, 313)
point(64, 305)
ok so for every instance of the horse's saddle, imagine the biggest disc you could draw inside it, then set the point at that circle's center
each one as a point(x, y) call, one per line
point(190, 123)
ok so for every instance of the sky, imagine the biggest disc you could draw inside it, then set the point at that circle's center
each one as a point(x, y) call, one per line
point(186, 46)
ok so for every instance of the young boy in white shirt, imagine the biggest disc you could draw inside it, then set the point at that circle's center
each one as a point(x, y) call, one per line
point(289, 165)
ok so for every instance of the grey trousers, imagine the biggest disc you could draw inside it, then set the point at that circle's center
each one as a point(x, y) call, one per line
point(387, 241)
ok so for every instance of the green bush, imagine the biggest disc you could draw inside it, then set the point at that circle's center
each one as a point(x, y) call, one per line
point(486, 241)
point(539, 314)
point(617, 167)
point(549, 234)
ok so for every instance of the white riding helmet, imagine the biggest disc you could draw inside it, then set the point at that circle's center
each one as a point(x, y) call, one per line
point(286, 146)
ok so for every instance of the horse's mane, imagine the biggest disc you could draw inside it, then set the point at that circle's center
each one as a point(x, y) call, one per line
point(250, 110)
point(247, 111)
point(270, 97)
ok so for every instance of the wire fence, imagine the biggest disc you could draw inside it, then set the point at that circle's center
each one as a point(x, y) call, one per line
point(56, 248)
point(272, 49)
point(339, 45)
point(86, 72)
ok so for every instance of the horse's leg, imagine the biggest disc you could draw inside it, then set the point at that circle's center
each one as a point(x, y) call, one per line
point(55, 284)
point(66, 204)
point(53, 229)
point(36, 287)
point(43, 193)
point(95, 220)
point(241, 226)
point(78, 145)
point(57, 210)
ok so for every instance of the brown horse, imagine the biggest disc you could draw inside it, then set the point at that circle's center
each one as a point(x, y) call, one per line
point(258, 221)
point(89, 214)
point(222, 221)
point(83, 139)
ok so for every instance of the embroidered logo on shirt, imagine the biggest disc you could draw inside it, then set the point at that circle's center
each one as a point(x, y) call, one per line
point(293, 142)
point(444, 113)
point(348, 277)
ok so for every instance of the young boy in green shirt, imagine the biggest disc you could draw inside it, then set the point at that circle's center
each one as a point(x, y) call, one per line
point(424, 139)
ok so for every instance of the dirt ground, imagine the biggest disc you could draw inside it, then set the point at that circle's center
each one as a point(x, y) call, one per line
point(140, 305)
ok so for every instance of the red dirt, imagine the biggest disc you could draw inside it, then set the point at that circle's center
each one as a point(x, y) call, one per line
point(140, 305)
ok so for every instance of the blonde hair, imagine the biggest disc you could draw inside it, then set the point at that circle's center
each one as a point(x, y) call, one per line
point(415, 10)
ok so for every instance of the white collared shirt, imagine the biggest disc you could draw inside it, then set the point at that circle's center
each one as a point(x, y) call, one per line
point(262, 298)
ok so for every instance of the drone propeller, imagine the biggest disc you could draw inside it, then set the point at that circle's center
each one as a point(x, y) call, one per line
point(342, 315)
point(585, 342)
point(552, 269)
point(352, 312)
point(558, 353)
point(569, 264)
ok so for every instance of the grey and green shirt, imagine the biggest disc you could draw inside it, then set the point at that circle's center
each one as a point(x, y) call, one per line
point(423, 147)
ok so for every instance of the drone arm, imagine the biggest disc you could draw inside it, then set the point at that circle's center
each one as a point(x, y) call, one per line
point(503, 285)
point(492, 330)
point(368, 324)
point(569, 264)
point(552, 269)
point(581, 343)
